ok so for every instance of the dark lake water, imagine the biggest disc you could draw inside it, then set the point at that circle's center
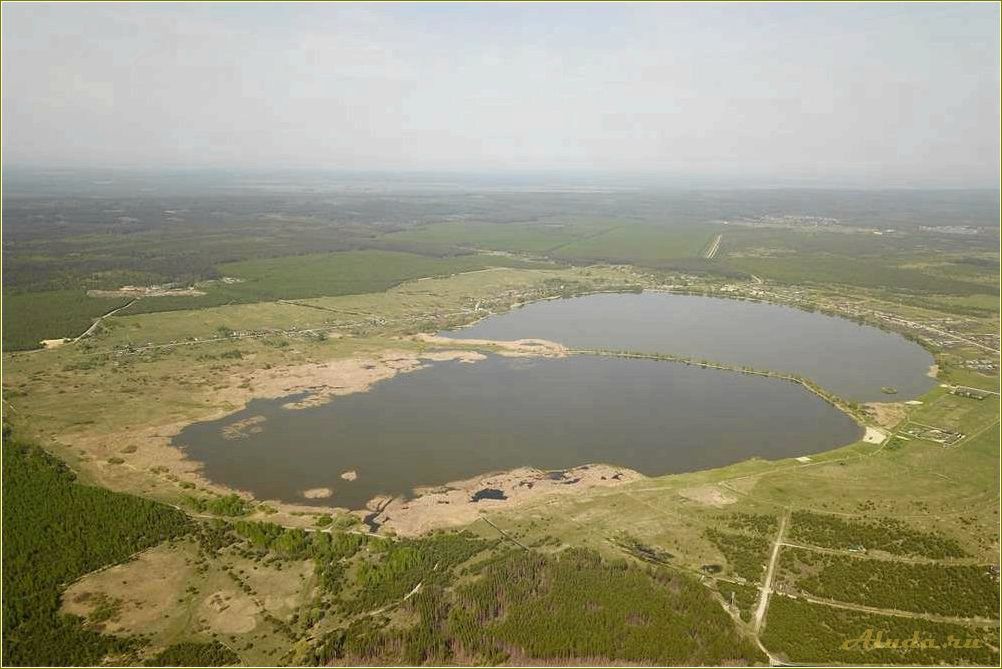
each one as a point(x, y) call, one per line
point(452, 420)
point(852, 360)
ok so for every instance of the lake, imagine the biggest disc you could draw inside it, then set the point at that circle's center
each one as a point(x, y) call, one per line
point(853, 361)
point(452, 420)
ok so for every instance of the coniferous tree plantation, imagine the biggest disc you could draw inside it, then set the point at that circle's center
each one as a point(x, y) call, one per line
point(55, 530)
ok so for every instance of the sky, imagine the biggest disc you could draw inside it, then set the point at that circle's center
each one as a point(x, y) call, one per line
point(852, 94)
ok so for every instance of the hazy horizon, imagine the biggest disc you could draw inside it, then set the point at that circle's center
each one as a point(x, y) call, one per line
point(790, 95)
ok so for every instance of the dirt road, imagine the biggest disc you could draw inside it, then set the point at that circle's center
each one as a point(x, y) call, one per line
point(763, 599)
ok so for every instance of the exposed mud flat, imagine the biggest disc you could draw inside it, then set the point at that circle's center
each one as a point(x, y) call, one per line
point(458, 503)
point(244, 428)
point(886, 414)
point(515, 347)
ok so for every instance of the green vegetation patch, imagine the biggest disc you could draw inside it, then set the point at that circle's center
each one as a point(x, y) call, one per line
point(803, 632)
point(949, 590)
point(576, 606)
point(399, 566)
point(885, 534)
point(54, 531)
point(757, 523)
point(317, 275)
point(231, 505)
point(28, 318)
point(874, 272)
point(743, 597)
point(194, 654)
point(650, 245)
point(535, 237)
point(746, 555)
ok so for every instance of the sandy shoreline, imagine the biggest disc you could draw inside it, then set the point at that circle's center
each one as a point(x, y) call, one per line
point(454, 504)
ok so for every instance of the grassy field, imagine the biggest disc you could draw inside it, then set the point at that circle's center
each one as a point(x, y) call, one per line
point(829, 269)
point(639, 244)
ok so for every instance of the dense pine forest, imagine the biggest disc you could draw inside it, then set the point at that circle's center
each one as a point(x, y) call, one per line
point(54, 531)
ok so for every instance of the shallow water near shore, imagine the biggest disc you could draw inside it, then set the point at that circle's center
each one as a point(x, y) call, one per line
point(853, 361)
point(452, 421)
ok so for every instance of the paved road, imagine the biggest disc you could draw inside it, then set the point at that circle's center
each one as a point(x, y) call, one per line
point(714, 247)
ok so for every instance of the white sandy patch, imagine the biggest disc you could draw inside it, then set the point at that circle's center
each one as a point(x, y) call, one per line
point(317, 493)
point(53, 343)
point(804, 459)
point(709, 494)
point(349, 475)
point(146, 291)
point(874, 435)
point(516, 347)
point(243, 428)
point(451, 505)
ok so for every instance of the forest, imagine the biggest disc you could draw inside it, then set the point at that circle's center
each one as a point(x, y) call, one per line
point(523, 606)
point(885, 534)
point(812, 633)
point(54, 531)
point(951, 590)
point(746, 554)
point(194, 654)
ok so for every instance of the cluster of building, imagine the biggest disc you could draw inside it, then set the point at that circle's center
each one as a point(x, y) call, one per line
point(937, 435)
point(988, 366)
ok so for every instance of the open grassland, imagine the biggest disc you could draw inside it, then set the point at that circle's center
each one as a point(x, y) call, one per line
point(639, 244)
point(956, 278)
point(828, 269)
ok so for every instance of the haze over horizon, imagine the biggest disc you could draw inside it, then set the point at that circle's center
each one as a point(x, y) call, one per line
point(839, 95)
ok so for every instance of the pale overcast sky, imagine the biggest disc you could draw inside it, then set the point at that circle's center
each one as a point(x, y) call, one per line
point(891, 94)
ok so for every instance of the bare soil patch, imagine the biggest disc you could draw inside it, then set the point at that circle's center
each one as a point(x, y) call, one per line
point(453, 504)
point(243, 428)
point(886, 414)
point(515, 347)
point(229, 612)
point(147, 291)
point(710, 495)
